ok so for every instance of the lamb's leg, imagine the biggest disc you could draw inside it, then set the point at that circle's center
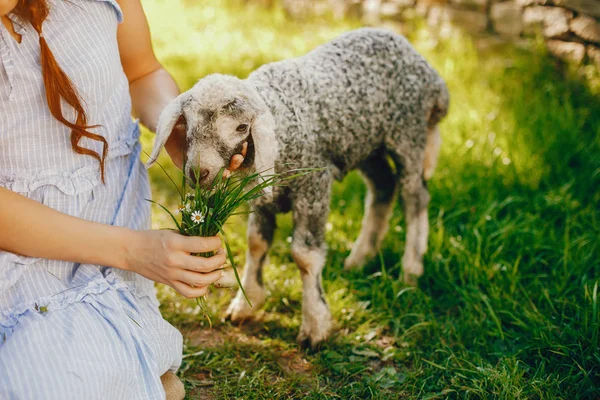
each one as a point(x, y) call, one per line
point(381, 185)
point(409, 147)
point(415, 198)
point(310, 211)
point(261, 225)
point(432, 150)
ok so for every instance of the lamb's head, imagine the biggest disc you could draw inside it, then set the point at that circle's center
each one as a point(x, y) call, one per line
point(221, 113)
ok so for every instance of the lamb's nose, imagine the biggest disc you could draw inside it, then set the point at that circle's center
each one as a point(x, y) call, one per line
point(203, 174)
point(198, 179)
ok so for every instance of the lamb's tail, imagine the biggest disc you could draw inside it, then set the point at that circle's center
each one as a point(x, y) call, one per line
point(441, 104)
point(434, 140)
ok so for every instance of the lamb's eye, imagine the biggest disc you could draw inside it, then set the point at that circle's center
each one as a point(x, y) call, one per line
point(242, 128)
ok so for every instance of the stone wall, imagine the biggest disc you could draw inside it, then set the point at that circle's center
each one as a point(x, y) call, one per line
point(570, 28)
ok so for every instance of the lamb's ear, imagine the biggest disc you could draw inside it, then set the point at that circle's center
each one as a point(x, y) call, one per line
point(265, 144)
point(167, 120)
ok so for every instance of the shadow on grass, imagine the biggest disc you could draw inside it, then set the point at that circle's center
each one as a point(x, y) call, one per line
point(265, 366)
point(269, 368)
point(507, 307)
point(513, 263)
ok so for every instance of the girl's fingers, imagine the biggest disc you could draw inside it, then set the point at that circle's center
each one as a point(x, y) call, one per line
point(188, 291)
point(236, 161)
point(196, 244)
point(197, 279)
point(221, 251)
point(205, 264)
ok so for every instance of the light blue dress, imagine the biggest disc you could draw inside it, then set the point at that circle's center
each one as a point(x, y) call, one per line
point(68, 330)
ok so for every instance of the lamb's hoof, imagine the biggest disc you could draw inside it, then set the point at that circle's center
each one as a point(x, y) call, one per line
point(412, 270)
point(173, 386)
point(411, 279)
point(240, 310)
point(313, 338)
point(353, 262)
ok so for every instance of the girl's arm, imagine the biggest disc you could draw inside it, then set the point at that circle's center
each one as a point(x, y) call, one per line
point(150, 86)
point(32, 229)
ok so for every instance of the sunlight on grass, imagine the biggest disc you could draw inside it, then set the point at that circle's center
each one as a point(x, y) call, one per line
point(508, 305)
point(194, 38)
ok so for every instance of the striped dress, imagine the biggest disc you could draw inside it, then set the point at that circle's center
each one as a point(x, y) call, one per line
point(70, 330)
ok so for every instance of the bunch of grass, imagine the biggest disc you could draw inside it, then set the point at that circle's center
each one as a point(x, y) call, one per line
point(204, 209)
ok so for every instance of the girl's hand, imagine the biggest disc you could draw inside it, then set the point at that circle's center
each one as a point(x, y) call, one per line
point(236, 161)
point(165, 257)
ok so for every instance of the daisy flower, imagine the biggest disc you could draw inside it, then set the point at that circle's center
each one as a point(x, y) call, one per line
point(188, 207)
point(179, 209)
point(197, 217)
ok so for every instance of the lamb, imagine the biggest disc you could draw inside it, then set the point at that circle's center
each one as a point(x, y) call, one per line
point(365, 100)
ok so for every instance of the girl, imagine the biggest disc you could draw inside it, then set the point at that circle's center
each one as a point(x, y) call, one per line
point(78, 311)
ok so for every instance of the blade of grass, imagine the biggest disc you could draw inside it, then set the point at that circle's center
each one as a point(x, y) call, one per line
point(235, 272)
point(169, 212)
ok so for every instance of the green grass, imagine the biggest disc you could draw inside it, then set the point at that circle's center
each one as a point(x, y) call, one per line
point(508, 306)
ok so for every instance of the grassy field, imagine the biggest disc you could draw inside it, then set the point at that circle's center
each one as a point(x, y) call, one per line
point(508, 306)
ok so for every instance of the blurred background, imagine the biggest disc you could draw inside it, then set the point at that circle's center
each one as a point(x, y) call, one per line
point(508, 305)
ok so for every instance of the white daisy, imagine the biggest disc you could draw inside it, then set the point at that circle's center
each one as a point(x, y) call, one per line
point(197, 217)
point(188, 208)
point(189, 195)
point(179, 209)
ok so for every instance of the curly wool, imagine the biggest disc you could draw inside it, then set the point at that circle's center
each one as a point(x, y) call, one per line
point(352, 103)
point(339, 103)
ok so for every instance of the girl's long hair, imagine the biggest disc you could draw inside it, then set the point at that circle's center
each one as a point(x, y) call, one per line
point(58, 85)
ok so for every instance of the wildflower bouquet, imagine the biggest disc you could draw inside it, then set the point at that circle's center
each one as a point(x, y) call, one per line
point(203, 210)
